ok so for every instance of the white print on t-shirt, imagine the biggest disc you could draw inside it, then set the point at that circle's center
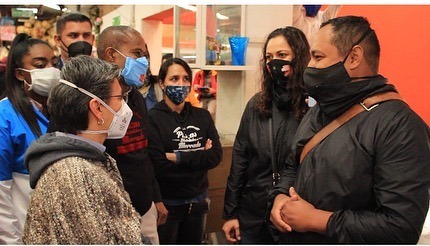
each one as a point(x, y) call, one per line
point(188, 138)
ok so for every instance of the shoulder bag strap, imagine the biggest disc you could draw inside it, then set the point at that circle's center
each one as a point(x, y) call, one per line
point(367, 105)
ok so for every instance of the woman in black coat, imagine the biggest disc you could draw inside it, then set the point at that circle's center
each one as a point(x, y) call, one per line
point(277, 109)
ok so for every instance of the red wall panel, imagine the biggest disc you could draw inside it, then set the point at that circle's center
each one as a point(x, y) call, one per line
point(404, 35)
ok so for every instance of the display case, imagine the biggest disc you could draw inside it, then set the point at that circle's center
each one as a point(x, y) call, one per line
point(201, 35)
point(219, 22)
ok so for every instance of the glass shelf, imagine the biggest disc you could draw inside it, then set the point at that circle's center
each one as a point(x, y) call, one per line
point(226, 68)
point(219, 22)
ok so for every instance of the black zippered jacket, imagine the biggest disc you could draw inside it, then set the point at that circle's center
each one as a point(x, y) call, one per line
point(373, 173)
point(250, 178)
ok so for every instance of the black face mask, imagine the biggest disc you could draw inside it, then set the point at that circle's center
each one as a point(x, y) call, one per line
point(316, 78)
point(79, 48)
point(332, 88)
point(281, 71)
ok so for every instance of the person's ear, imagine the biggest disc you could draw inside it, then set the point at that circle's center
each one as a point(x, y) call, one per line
point(95, 108)
point(110, 54)
point(356, 57)
point(57, 40)
point(161, 83)
point(19, 74)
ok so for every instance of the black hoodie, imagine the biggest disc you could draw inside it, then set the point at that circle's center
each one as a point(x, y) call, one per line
point(187, 133)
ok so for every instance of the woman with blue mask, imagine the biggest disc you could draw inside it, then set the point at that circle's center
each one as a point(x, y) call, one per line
point(183, 145)
point(31, 72)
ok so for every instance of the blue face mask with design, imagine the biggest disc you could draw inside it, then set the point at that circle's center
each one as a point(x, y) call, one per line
point(134, 70)
point(177, 93)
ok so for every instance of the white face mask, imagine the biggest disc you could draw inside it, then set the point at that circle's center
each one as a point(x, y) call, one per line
point(120, 121)
point(43, 79)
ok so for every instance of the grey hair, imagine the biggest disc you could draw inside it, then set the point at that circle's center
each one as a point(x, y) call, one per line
point(67, 106)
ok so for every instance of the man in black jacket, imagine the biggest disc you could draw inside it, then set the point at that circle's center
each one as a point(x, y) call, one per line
point(366, 182)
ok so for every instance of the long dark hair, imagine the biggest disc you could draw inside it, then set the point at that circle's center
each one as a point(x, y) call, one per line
point(15, 88)
point(300, 46)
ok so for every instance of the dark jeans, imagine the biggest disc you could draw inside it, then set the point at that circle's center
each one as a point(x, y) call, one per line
point(259, 236)
point(185, 224)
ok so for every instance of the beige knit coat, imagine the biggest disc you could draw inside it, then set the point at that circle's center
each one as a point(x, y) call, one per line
point(79, 201)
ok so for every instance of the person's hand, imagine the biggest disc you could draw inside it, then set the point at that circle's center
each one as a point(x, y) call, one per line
point(297, 212)
point(231, 230)
point(208, 144)
point(171, 157)
point(162, 213)
point(275, 214)
point(211, 90)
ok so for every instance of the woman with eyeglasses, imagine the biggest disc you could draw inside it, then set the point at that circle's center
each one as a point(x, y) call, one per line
point(79, 196)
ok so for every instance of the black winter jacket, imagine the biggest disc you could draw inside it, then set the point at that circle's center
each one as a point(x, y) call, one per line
point(250, 178)
point(373, 173)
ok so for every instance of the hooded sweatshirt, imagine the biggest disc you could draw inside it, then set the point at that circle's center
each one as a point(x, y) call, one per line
point(186, 134)
point(79, 197)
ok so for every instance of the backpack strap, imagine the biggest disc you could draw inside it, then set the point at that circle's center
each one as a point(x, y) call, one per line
point(367, 105)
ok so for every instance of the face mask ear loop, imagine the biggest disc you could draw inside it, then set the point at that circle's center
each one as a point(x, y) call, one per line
point(119, 52)
point(88, 94)
point(67, 51)
point(359, 41)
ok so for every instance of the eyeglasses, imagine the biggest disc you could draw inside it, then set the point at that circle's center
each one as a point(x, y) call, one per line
point(123, 96)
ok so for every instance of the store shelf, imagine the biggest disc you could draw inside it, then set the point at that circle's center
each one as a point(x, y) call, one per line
point(228, 68)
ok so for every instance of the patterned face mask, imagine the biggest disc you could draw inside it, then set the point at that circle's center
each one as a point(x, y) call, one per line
point(177, 93)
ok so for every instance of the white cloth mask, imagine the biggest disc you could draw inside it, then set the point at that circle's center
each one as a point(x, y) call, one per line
point(120, 121)
point(43, 79)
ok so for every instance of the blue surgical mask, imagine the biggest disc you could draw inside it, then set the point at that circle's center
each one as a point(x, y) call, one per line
point(134, 70)
point(177, 93)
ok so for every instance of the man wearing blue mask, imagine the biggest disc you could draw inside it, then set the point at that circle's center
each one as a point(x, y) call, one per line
point(359, 170)
point(74, 36)
point(126, 47)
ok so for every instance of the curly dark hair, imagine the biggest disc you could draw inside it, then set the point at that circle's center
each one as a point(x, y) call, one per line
point(300, 46)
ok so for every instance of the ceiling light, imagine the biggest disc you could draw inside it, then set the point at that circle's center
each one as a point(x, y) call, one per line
point(189, 7)
point(221, 17)
point(28, 9)
point(52, 6)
